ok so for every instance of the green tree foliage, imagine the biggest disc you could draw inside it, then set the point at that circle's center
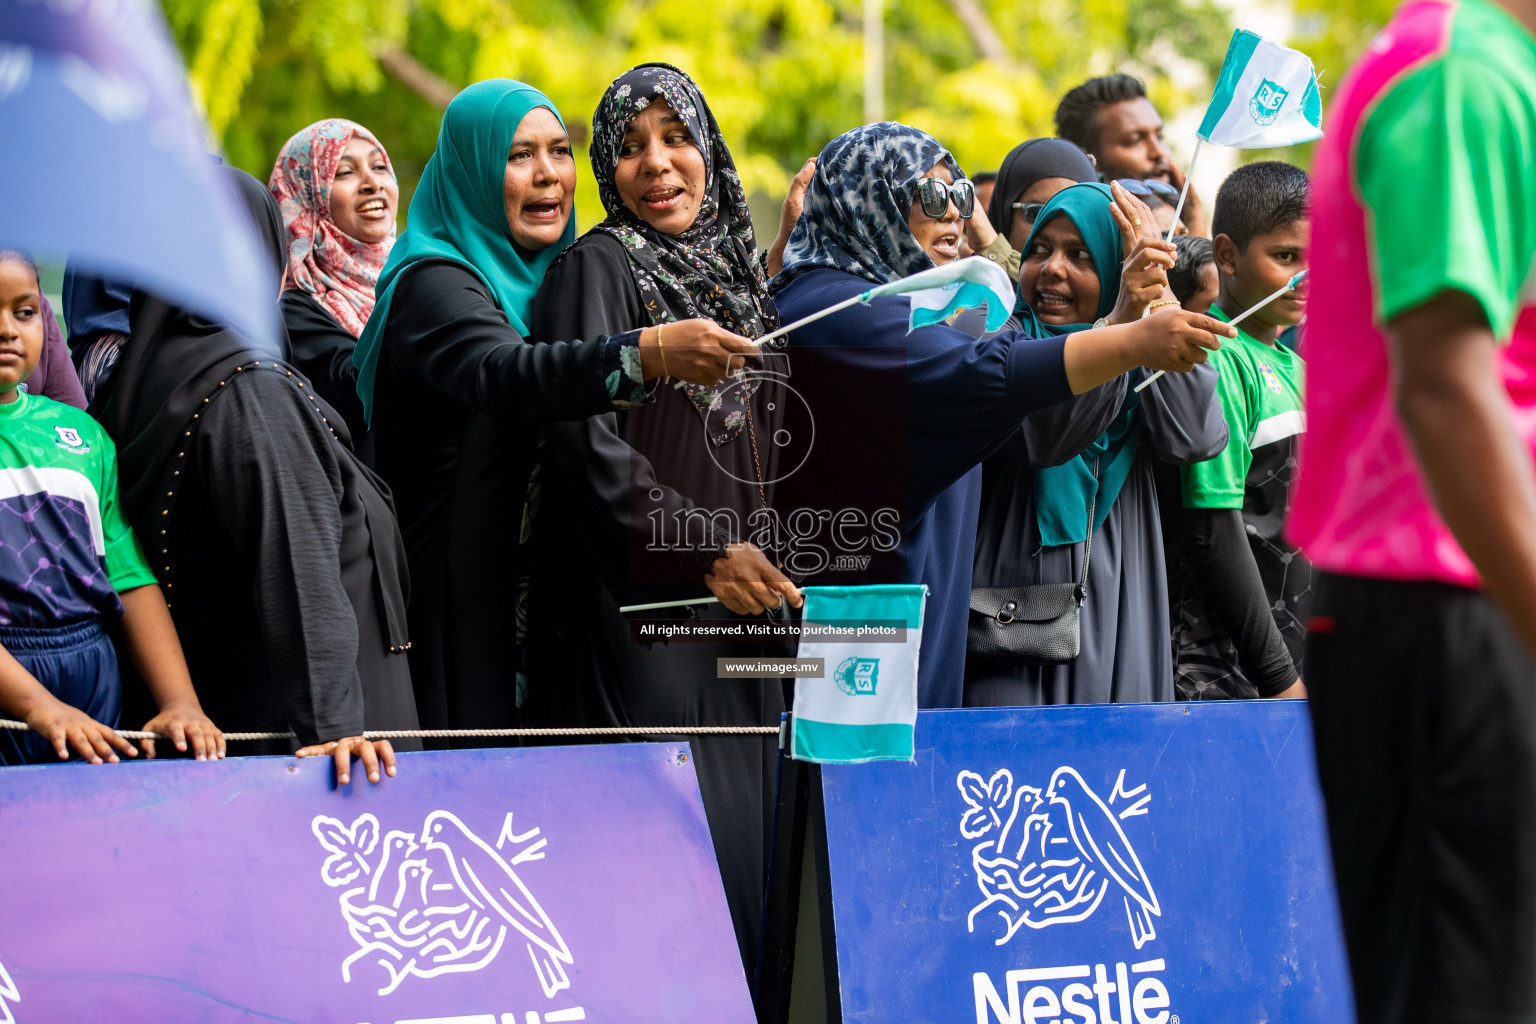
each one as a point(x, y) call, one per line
point(783, 76)
point(1334, 33)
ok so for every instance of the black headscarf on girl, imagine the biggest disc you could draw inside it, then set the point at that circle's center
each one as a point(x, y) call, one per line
point(711, 269)
point(1026, 164)
point(174, 365)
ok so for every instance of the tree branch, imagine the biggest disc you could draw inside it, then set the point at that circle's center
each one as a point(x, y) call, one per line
point(982, 33)
point(419, 78)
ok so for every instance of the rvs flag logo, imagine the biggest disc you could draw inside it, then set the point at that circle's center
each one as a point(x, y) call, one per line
point(858, 676)
point(1266, 103)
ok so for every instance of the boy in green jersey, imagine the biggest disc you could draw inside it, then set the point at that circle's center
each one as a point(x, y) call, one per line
point(1239, 601)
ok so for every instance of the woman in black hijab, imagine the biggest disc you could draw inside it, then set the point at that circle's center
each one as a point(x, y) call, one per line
point(1031, 175)
point(668, 493)
point(277, 548)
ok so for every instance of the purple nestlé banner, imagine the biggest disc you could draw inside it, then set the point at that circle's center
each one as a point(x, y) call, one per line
point(511, 886)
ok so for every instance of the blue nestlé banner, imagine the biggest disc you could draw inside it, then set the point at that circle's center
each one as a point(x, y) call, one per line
point(1132, 864)
point(529, 886)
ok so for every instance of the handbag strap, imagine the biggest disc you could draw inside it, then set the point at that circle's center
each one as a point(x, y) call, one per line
point(1082, 584)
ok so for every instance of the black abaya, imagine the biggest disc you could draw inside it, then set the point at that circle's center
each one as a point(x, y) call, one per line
point(458, 400)
point(321, 349)
point(273, 579)
point(276, 546)
point(608, 482)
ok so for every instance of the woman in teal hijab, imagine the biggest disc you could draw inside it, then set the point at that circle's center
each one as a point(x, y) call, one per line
point(456, 396)
point(1094, 453)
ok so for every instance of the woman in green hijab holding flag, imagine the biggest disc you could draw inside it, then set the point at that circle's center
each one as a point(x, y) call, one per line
point(456, 396)
point(1092, 456)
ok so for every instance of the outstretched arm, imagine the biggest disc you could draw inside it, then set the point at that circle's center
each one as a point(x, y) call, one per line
point(1184, 418)
point(1061, 433)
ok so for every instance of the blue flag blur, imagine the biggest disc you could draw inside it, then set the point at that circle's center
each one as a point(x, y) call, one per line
point(107, 165)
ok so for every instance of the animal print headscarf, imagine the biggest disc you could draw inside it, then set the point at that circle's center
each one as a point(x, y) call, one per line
point(856, 207)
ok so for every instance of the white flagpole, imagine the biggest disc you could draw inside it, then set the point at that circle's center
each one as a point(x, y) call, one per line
point(657, 606)
point(874, 61)
point(1189, 173)
point(1244, 315)
point(808, 319)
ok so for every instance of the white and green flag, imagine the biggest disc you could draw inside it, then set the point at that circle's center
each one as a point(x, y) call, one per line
point(936, 293)
point(940, 292)
point(865, 706)
point(1266, 96)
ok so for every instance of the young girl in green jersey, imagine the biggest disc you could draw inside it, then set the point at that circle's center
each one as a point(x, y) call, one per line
point(69, 563)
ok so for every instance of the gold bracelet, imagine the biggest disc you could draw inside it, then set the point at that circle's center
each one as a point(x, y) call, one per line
point(1160, 303)
point(663, 353)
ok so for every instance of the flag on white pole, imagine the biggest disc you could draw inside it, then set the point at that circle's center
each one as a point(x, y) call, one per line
point(1266, 96)
point(1295, 280)
point(939, 293)
point(865, 706)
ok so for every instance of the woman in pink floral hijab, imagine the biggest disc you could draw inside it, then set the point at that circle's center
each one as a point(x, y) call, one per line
point(337, 190)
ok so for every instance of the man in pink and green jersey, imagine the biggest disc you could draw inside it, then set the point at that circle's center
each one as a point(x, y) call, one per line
point(1416, 502)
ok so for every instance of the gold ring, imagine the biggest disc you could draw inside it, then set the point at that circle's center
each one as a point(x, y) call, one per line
point(1136, 223)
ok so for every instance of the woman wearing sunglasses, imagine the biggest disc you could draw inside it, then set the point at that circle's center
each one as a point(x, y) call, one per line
point(1030, 175)
point(903, 418)
point(1161, 197)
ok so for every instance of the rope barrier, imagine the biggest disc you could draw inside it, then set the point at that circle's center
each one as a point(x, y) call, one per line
point(453, 734)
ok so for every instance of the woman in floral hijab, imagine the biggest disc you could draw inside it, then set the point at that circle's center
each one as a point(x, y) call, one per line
point(663, 495)
point(709, 269)
point(337, 190)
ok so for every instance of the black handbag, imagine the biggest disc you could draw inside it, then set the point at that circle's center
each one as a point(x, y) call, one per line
point(1039, 624)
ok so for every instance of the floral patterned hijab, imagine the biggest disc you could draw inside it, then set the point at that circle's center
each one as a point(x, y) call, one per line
point(332, 266)
point(711, 269)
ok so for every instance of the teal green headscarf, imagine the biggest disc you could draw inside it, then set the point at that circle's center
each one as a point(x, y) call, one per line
point(1062, 493)
point(458, 213)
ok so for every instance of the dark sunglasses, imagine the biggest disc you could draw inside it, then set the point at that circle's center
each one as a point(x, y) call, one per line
point(935, 195)
point(1029, 210)
point(1150, 187)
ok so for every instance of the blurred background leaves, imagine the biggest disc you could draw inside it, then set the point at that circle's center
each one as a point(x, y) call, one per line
point(783, 76)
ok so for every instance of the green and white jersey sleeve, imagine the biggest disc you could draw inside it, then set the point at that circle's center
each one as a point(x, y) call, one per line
point(66, 550)
point(1446, 167)
point(1260, 391)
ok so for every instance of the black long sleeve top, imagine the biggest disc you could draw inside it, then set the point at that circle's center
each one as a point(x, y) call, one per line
point(460, 398)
